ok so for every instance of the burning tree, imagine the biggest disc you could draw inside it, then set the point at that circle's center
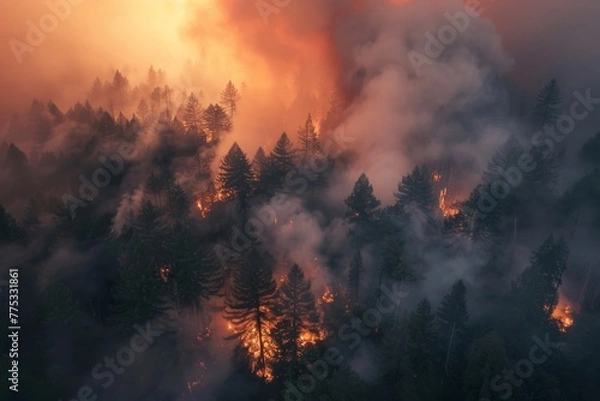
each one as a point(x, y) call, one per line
point(298, 324)
point(537, 287)
point(250, 311)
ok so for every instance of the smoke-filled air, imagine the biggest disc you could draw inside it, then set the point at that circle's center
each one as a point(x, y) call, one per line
point(285, 200)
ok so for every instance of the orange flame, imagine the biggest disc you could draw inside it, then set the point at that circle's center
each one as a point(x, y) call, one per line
point(328, 297)
point(563, 314)
point(448, 208)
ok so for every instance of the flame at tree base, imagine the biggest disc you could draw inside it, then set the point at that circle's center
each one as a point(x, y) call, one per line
point(563, 314)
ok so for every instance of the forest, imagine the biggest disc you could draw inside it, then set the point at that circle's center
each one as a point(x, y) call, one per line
point(151, 268)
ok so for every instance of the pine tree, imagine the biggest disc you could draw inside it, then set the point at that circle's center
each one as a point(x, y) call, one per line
point(215, 122)
point(258, 163)
point(308, 138)
point(139, 292)
point(548, 107)
point(421, 350)
point(250, 307)
point(31, 218)
point(362, 203)
point(230, 98)
point(297, 315)
point(235, 176)
point(192, 115)
point(452, 317)
point(393, 263)
point(277, 165)
point(415, 195)
point(15, 160)
point(486, 359)
point(506, 156)
point(282, 155)
point(537, 287)
point(10, 230)
point(354, 277)
point(475, 225)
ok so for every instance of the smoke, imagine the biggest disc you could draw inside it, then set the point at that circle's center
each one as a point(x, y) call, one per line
point(288, 63)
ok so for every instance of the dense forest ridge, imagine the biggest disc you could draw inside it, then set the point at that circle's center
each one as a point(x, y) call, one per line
point(153, 233)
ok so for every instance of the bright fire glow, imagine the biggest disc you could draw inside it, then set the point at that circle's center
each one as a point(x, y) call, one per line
point(251, 342)
point(563, 313)
point(447, 207)
point(328, 297)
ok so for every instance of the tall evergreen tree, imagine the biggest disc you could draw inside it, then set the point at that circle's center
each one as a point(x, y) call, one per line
point(258, 163)
point(548, 106)
point(362, 203)
point(452, 317)
point(250, 308)
point(10, 230)
point(230, 98)
point(215, 122)
point(354, 277)
point(308, 138)
point(415, 192)
point(298, 317)
point(139, 293)
point(235, 176)
point(192, 115)
point(277, 165)
point(537, 287)
point(421, 350)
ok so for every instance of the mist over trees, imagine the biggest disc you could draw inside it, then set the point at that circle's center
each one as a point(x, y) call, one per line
point(118, 212)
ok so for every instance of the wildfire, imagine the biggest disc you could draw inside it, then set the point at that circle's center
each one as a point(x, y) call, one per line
point(448, 209)
point(207, 200)
point(328, 297)
point(251, 342)
point(563, 313)
point(436, 177)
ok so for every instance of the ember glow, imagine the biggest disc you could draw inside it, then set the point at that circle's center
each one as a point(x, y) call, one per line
point(281, 185)
point(563, 314)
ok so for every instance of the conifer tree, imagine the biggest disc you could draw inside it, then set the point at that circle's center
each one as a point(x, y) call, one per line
point(548, 106)
point(537, 287)
point(505, 157)
point(250, 306)
point(415, 194)
point(277, 165)
point(362, 203)
point(452, 317)
point(139, 292)
point(235, 176)
point(486, 360)
point(355, 276)
point(31, 218)
point(421, 350)
point(258, 163)
point(230, 98)
point(10, 230)
point(297, 315)
point(215, 122)
point(308, 138)
point(192, 115)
